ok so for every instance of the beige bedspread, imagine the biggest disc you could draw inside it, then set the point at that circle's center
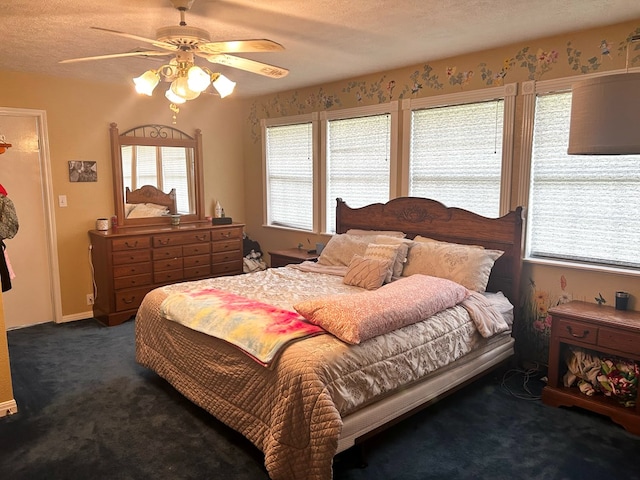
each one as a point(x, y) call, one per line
point(293, 412)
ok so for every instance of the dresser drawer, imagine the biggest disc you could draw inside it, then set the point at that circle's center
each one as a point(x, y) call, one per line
point(132, 281)
point(134, 256)
point(196, 249)
point(132, 269)
point(170, 239)
point(197, 261)
point(226, 234)
point(168, 276)
point(168, 264)
point(227, 268)
point(626, 342)
point(197, 272)
point(167, 252)
point(131, 243)
point(582, 332)
point(226, 246)
point(230, 256)
point(129, 299)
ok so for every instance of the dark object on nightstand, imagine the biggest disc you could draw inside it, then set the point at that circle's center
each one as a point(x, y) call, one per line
point(221, 220)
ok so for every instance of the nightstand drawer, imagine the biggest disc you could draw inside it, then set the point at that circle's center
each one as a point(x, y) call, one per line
point(582, 332)
point(619, 340)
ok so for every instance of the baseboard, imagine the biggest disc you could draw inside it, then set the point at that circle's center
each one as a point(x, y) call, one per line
point(8, 408)
point(77, 316)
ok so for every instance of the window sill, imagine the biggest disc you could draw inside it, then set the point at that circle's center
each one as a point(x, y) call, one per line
point(607, 269)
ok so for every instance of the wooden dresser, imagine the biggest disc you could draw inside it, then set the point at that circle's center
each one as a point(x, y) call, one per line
point(128, 263)
point(601, 329)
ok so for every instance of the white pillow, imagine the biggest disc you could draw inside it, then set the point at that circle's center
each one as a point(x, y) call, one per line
point(341, 248)
point(404, 244)
point(468, 265)
point(143, 210)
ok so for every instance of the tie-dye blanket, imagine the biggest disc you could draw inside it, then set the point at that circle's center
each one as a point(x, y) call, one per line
point(259, 329)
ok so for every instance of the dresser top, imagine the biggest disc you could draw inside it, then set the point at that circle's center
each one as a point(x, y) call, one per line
point(186, 227)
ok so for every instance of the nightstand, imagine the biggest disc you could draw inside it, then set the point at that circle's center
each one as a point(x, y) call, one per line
point(600, 329)
point(280, 258)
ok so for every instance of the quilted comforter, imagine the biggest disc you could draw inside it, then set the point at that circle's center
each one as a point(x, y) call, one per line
point(293, 412)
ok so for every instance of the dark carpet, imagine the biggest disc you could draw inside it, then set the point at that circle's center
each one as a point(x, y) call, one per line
point(87, 410)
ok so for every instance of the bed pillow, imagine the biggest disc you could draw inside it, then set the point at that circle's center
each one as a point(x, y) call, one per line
point(385, 252)
point(404, 244)
point(143, 210)
point(468, 265)
point(358, 317)
point(341, 248)
point(389, 233)
point(368, 273)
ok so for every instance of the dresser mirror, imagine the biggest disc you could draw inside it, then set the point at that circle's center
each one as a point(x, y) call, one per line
point(152, 163)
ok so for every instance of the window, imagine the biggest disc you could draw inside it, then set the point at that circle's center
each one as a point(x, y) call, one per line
point(582, 208)
point(288, 164)
point(358, 159)
point(459, 149)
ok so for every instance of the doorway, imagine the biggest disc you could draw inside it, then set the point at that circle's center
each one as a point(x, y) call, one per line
point(25, 173)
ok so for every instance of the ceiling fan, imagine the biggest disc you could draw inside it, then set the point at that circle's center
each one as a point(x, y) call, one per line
point(186, 43)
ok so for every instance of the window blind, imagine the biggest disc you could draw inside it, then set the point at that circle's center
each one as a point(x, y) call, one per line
point(289, 171)
point(581, 207)
point(145, 166)
point(357, 163)
point(175, 174)
point(456, 155)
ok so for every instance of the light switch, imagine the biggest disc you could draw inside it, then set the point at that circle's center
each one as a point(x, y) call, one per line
point(62, 200)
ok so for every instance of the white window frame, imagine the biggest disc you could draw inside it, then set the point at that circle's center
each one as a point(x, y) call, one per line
point(507, 93)
point(291, 120)
point(530, 91)
point(390, 108)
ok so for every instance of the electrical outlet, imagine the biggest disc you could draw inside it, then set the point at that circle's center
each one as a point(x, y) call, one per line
point(89, 298)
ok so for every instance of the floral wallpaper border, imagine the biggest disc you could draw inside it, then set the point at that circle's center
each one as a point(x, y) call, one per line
point(535, 63)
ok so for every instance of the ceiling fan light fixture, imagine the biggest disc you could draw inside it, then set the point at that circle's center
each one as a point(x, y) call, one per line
point(223, 85)
point(173, 98)
point(198, 79)
point(146, 82)
point(180, 86)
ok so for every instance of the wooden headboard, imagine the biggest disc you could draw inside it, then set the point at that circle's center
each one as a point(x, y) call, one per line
point(150, 194)
point(429, 218)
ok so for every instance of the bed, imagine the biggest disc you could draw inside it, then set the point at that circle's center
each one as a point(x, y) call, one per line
point(320, 394)
point(148, 201)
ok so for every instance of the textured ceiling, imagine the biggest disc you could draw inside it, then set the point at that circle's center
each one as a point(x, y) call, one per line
point(325, 40)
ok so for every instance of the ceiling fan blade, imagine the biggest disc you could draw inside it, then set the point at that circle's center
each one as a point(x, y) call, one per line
point(248, 65)
point(116, 55)
point(240, 46)
point(156, 43)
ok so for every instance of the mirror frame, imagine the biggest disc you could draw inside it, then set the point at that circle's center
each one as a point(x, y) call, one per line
point(163, 136)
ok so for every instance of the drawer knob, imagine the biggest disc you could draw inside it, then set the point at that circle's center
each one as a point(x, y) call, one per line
point(575, 335)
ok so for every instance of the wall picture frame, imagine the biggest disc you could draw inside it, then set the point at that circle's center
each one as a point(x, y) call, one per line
point(83, 171)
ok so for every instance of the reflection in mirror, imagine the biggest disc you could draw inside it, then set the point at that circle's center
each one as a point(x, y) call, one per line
point(161, 160)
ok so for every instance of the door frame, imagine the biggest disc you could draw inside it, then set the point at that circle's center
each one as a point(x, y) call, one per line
point(46, 182)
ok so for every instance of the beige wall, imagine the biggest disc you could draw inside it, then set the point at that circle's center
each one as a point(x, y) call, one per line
point(569, 55)
point(78, 118)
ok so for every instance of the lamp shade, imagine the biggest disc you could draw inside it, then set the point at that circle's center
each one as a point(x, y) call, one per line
point(223, 85)
point(146, 82)
point(605, 116)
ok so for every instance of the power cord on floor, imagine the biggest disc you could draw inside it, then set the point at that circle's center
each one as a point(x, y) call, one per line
point(534, 372)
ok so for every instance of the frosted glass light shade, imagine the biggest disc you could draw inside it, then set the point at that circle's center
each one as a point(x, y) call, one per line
point(223, 85)
point(146, 82)
point(180, 86)
point(173, 98)
point(605, 116)
point(197, 79)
